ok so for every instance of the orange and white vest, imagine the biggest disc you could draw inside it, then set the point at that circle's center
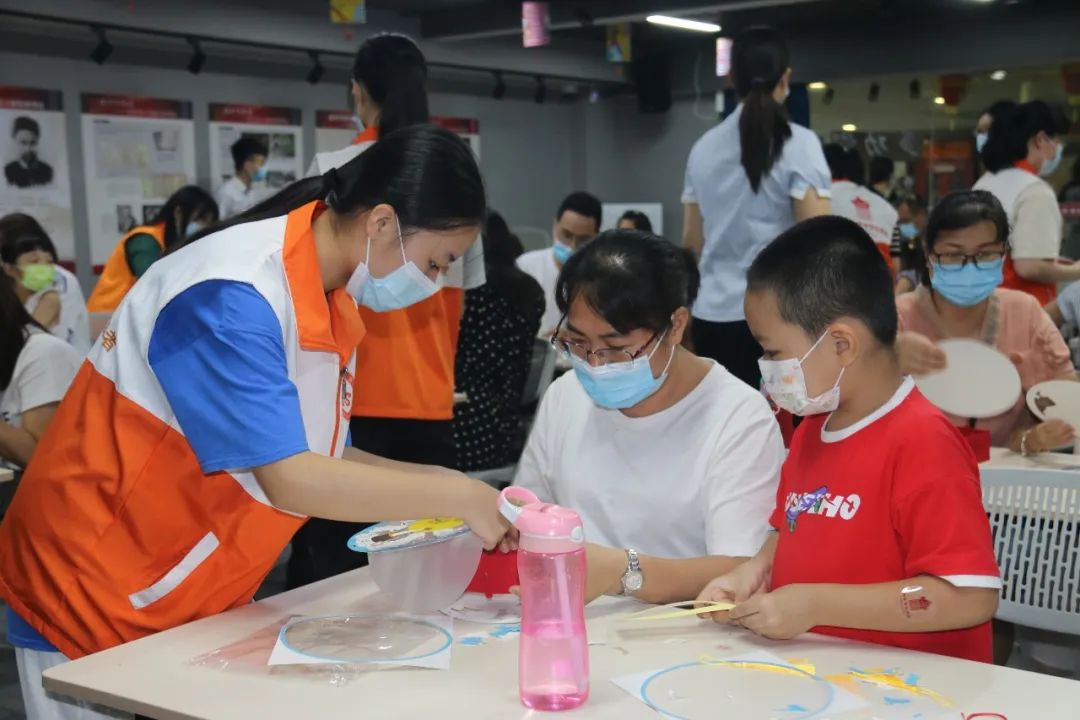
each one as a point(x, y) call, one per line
point(115, 532)
point(1007, 185)
point(117, 279)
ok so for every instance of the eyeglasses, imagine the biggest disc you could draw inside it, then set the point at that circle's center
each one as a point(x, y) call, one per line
point(605, 356)
point(950, 262)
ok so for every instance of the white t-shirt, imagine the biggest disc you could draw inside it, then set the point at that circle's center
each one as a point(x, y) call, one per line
point(43, 371)
point(696, 479)
point(234, 197)
point(73, 325)
point(541, 265)
point(738, 222)
point(1034, 214)
point(862, 205)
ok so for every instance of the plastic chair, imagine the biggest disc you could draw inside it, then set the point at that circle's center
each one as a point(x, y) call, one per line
point(1035, 519)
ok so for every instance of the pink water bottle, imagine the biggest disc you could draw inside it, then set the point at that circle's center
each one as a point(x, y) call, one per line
point(553, 659)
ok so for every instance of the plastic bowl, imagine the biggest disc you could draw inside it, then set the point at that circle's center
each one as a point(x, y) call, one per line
point(430, 577)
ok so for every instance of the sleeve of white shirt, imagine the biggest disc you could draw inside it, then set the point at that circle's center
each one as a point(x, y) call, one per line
point(45, 373)
point(224, 202)
point(1068, 301)
point(808, 169)
point(535, 467)
point(688, 194)
point(1036, 232)
point(739, 492)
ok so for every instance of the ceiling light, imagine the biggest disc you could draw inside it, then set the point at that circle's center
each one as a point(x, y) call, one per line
point(198, 57)
point(998, 75)
point(683, 23)
point(317, 70)
point(500, 87)
point(103, 49)
point(541, 90)
point(848, 127)
point(939, 100)
point(817, 86)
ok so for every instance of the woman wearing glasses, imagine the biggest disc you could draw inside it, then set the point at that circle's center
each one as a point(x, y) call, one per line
point(671, 460)
point(966, 248)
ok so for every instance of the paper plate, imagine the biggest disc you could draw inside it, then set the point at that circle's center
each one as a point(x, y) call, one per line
point(978, 382)
point(1056, 399)
point(406, 534)
point(477, 608)
point(706, 691)
point(364, 639)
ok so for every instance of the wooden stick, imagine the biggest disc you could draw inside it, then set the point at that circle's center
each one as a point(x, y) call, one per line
point(654, 614)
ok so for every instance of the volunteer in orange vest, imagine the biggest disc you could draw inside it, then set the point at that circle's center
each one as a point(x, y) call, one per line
point(1025, 146)
point(403, 407)
point(211, 419)
point(186, 212)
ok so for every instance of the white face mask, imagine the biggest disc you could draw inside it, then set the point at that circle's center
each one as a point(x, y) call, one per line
point(785, 383)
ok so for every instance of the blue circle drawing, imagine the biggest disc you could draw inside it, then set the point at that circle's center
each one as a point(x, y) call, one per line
point(825, 684)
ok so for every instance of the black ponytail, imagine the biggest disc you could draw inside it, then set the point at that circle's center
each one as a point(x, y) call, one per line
point(15, 325)
point(393, 71)
point(759, 59)
point(427, 174)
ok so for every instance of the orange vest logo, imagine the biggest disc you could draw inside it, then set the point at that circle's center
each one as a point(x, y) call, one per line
point(108, 340)
point(347, 379)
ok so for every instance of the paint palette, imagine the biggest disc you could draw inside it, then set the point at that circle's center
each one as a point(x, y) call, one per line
point(978, 381)
point(352, 639)
point(1056, 399)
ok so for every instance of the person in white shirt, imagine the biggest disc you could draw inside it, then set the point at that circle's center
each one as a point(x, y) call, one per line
point(50, 293)
point(576, 223)
point(671, 461)
point(858, 203)
point(35, 372)
point(747, 180)
point(238, 193)
point(1025, 146)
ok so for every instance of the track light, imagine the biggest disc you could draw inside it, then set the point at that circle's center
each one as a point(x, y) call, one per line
point(541, 90)
point(827, 99)
point(875, 91)
point(103, 49)
point(315, 74)
point(914, 90)
point(500, 87)
point(198, 57)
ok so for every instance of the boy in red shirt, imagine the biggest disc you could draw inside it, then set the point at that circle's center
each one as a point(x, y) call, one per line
point(880, 533)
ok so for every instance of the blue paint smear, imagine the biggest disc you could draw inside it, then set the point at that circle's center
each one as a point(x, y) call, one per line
point(504, 630)
point(912, 679)
point(471, 641)
point(794, 708)
point(896, 701)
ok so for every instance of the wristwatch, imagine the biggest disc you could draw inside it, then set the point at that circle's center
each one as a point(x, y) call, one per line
point(633, 579)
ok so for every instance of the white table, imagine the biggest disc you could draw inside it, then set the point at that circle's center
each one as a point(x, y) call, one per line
point(1003, 458)
point(154, 676)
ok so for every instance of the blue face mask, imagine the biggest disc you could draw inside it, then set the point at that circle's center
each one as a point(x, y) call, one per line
point(403, 287)
point(562, 252)
point(192, 228)
point(980, 141)
point(1049, 166)
point(260, 174)
point(621, 385)
point(908, 231)
point(969, 285)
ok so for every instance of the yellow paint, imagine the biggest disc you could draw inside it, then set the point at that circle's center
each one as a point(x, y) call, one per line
point(435, 524)
point(795, 670)
point(894, 682)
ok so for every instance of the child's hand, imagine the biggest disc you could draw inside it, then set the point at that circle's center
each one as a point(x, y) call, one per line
point(739, 585)
point(918, 355)
point(780, 615)
point(481, 514)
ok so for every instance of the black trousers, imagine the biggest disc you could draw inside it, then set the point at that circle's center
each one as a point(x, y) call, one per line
point(731, 345)
point(318, 548)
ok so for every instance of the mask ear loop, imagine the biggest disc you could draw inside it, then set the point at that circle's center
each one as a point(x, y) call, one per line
point(401, 244)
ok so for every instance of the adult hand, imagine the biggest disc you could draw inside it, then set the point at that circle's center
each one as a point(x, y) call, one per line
point(480, 511)
point(918, 354)
point(1049, 435)
point(737, 586)
point(780, 615)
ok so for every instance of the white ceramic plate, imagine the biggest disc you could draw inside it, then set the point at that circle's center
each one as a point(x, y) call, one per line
point(978, 381)
point(1056, 399)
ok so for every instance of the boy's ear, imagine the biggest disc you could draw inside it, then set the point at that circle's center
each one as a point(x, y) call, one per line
point(846, 341)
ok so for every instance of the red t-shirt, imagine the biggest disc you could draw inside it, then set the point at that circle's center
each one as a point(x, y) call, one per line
point(892, 497)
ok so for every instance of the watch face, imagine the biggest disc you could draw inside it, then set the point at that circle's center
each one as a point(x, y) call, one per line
point(633, 582)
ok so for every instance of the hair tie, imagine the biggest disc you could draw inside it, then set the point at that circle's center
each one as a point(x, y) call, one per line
point(330, 184)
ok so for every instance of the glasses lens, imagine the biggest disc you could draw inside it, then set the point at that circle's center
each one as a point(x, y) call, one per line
point(987, 259)
point(950, 261)
point(612, 357)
